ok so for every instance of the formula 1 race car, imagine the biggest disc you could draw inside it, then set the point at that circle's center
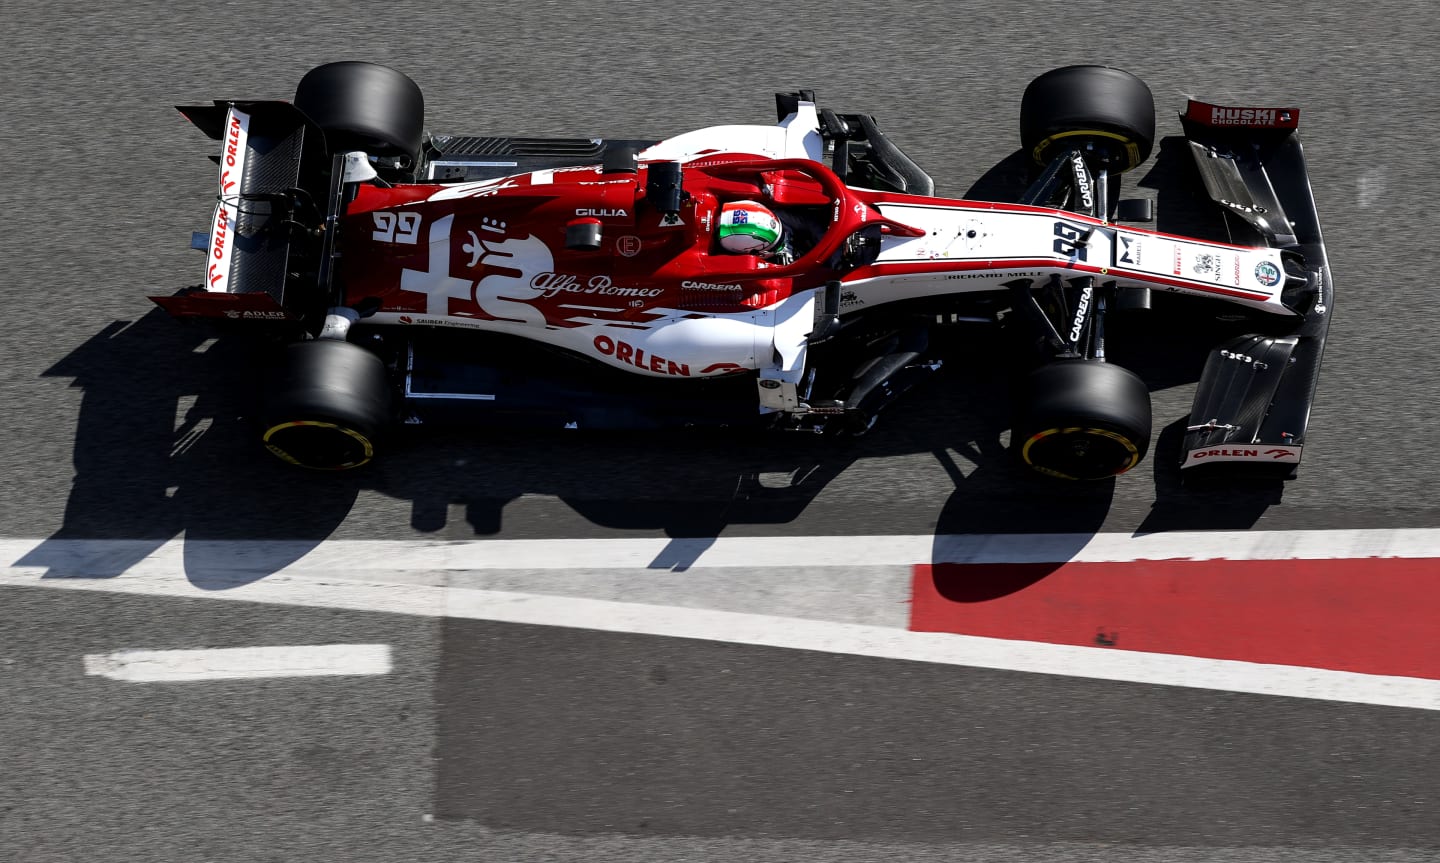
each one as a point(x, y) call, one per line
point(415, 278)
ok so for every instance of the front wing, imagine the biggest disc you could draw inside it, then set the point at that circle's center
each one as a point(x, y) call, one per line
point(1252, 404)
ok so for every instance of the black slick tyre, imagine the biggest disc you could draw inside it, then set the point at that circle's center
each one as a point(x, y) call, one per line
point(327, 406)
point(364, 106)
point(1083, 420)
point(1107, 112)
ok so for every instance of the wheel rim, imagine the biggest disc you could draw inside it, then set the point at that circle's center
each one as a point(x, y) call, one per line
point(1117, 143)
point(1080, 453)
point(318, 444)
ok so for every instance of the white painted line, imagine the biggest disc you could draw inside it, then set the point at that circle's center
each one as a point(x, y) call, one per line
point(780, 632)
point(235, 663)
point(947, 649)
point(73, 557)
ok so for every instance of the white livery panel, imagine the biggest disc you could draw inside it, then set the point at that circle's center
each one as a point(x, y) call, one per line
point(1252, 275)
point(796, 137)
point(980, 248)
point(220, 254)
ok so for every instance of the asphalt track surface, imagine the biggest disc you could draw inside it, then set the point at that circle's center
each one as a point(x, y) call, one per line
point(509, 742)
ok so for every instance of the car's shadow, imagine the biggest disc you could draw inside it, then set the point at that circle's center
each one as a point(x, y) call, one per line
point(164, 449)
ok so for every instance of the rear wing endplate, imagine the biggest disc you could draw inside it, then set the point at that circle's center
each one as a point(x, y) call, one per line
point(270, 187)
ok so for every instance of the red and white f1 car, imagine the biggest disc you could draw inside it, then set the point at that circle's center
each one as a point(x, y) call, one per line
point(580, 283)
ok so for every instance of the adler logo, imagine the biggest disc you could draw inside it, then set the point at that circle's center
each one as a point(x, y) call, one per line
point(601, 214)
point(1242, 116)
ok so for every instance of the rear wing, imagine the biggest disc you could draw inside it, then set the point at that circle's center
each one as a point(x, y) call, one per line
point(267, 253)
point(1252, 406)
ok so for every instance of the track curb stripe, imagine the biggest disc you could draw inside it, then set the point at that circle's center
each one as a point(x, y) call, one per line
point(352, 576)
point(1374, 616)
point(795, 634)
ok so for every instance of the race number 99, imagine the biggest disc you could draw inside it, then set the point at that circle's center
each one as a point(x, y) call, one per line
point(1069, 241)
point(396, 227)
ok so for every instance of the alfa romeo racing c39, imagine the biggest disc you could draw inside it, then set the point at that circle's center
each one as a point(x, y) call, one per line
point(418, 278)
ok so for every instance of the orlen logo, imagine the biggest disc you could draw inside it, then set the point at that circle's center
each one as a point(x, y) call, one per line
point(217, 245)
point(232, 141)
point(232, 152)
point(1242, 453)
point(631, 355)
point(1242, 116)
point(1226, 453)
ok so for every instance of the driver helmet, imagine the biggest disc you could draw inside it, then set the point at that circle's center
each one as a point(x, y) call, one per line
point(748, 228)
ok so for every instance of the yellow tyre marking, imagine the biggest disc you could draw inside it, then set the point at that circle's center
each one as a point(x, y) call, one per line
point(1131, 148)
point(364, 442)
point(1106, 433)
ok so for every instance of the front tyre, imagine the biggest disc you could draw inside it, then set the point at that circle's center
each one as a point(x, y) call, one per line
point(1106, 112)
point(1083, 420)
point(327, 406)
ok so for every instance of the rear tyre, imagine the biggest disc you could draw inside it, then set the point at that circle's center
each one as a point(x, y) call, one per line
point(328, 405)
point(1083, 420)
point(364, 106)
point(1108, 112)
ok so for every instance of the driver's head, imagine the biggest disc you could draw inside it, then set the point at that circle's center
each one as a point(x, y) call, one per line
point(748, 228)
